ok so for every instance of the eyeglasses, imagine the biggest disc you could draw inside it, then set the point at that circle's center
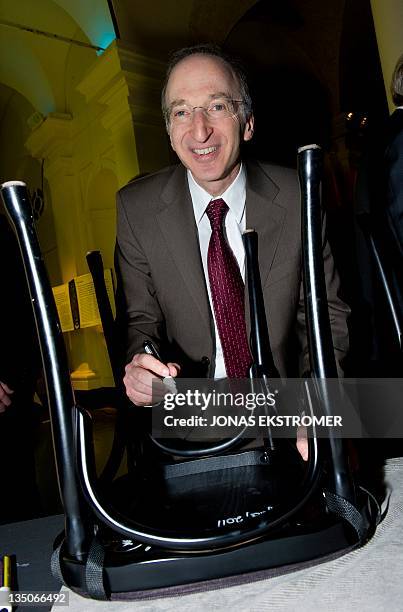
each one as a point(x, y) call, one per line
point(182, 114)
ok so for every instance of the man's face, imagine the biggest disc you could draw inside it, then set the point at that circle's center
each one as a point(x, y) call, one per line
point(210, 149)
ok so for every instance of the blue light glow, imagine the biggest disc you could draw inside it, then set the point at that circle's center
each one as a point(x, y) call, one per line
point(105, 40)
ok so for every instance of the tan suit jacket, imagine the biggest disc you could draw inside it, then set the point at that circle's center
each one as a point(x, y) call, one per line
point(159, 264)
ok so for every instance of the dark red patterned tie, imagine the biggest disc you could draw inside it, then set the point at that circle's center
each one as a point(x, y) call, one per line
point(227, 292)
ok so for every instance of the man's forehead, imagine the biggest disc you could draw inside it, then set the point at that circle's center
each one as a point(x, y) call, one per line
point(201, 71)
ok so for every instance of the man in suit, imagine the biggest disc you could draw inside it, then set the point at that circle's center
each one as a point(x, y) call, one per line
point(165, 235)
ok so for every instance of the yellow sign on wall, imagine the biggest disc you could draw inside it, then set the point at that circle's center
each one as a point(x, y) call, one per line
point(76, 302)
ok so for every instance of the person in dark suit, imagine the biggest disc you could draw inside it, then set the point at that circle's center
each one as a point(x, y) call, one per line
point(379, 213)
point(394, 160)
point(165, 233)
point(375, 342)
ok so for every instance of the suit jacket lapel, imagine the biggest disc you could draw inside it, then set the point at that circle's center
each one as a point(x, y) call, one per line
point(177, 224)
point(263, 215)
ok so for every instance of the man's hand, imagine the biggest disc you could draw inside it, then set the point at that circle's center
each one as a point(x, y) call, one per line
point(5, 393)
point(141, 372)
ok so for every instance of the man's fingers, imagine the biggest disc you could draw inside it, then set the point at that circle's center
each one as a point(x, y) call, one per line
point(142, 379)
point(302, 446)
point(137, 391)
point(5, 399)
point(138, 379)
point(6, 387)
point(302, 443)
point(138, 398)
point(150, 363)
point(174, 369)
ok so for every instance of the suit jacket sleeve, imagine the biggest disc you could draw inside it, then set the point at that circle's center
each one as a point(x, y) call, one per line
point(338, 313)
point(139, 312)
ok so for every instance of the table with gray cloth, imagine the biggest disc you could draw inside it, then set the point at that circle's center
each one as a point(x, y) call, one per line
point(370, 578)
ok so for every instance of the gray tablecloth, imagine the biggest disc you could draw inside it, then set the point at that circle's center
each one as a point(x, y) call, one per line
point(368, 579)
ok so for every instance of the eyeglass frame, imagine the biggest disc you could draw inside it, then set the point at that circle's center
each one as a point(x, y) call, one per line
point(168, 111)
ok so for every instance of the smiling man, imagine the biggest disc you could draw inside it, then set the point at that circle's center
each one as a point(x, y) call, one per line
point(207, 119)
point(179, 249)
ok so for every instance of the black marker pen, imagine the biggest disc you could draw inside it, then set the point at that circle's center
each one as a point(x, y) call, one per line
point(150, 349)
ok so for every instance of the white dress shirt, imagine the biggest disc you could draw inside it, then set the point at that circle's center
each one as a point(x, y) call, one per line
point(235, 224)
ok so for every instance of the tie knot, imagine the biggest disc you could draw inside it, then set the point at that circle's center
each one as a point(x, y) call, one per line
point(216, 211)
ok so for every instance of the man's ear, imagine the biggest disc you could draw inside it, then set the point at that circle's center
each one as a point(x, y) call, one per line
point(248, 129)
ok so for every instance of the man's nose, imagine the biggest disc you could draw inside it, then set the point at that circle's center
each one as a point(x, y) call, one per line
point(201, 127)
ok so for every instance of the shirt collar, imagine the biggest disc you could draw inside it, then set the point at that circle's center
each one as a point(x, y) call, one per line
point(234, 196)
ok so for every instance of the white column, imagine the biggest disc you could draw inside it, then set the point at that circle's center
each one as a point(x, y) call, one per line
point(127, 86)
point(52, 142)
